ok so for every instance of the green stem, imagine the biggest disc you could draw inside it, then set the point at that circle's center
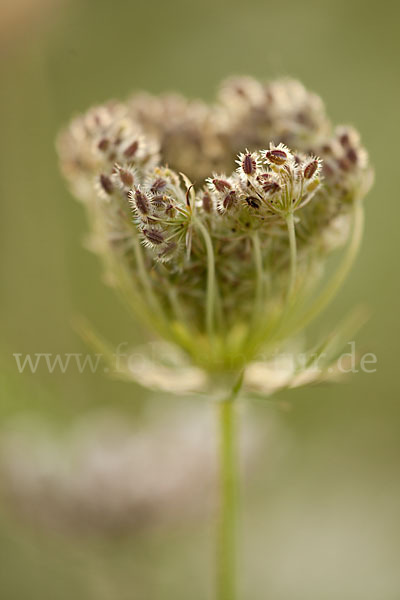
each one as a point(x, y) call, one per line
point(228, 477)
point(210, 299)
point(259, 278)
point(293, 255)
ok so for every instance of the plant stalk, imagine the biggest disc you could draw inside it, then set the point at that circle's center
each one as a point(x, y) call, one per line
point(228, 479)
point(210, 298)
point(293, 255)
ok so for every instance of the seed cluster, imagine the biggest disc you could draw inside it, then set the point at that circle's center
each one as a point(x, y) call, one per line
point(271, 181)
point(204, 241)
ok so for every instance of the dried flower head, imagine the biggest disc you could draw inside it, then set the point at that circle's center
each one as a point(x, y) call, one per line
point(221, 258)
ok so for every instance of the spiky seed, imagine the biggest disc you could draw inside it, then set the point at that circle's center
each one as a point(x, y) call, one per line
point(170, 210)
point(154, 236)
point(344, 140)
point(169, 249)
point(158, 185)
point(278, 157)
point(131, 150)
point(221, 185)
point(327, 149)
point(103, 144)
point(126, 177)
point(158, 201)
point(229, 200)
point(352, 156)
point(207, 203)
point(310, 169)
point(106, 184)
point(248, 164)
point(271, 188)
point(142, 202)
point(344, 164)
point(253, 201)
point(264, 179)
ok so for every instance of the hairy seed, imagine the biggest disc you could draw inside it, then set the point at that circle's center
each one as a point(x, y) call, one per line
point(344, 164)
point(310, 169)
point(103, 144)
point(327, 149)
point(207, 203)
point(142, 202)
point(271, 188)
point(126, 177)
point(154, 236)
point(158, 185)
point(221, 185)
point(352, 156)
point(131, 149)
point(106, 184)
point(170, 210)
point(248, 164)
point(169, 248)
point(229, 200)
point(159, 201)
point(278, 157)
point(253, 202)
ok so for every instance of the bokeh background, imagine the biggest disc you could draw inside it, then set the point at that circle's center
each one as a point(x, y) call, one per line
point(321, 518)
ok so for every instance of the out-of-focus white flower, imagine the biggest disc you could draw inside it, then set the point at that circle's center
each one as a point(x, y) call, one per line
point(107, 476)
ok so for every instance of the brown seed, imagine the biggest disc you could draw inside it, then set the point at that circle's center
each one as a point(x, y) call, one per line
point(158, 185)
point(126, 177)
point(221, 185)
point(170, 210)
point(263, 179)
point(106, 184)
point(248, 164)
point(328, 170)
point(169, 248)
point(158, 201)
point(327, 149)
point(240, 91)
point(271, 188)
point(142, 202)
point(310, 169)
point(278, 157)
point(344, 164)
point(131, 149)
point(253, 202)
point(352, 156)
point(103, 144)
point(154, 236)
point(229, 200)
point(207, 203)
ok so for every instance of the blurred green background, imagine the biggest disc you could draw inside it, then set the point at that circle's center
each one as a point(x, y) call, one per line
point(325, 524)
